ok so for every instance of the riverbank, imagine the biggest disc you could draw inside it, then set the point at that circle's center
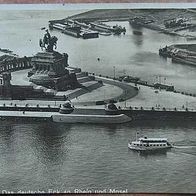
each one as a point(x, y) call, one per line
point(124, 14)
point(154, 19)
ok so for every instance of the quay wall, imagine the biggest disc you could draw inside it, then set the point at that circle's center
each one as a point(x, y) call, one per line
point(25, 116)
point(64, 118)
point(172, 114)
point(93, 115)
point(103, 119)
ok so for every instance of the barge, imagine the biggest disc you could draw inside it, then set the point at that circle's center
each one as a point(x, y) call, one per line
point(189, 60)
point(74, 30)
point(179, 54)
point(116, 29)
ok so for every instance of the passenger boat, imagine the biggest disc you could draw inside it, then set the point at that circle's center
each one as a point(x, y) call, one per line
point(149, 144)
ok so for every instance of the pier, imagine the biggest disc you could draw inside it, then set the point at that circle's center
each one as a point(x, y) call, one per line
point(71, 28)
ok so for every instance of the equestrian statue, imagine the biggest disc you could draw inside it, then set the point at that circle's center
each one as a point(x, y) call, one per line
point(48, 42)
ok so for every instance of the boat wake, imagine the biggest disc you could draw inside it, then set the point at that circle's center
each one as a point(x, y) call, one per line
point(184, 147)
point(186, 150)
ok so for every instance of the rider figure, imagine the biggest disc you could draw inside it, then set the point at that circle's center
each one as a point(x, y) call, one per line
point(47, 37)
point(48, 42)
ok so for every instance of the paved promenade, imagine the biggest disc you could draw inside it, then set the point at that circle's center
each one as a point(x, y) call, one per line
point(27, 114)
point(112, 89)
point(150, 97)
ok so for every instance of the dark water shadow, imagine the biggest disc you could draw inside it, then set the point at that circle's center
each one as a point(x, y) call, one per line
point(51, 142)
point(163, 123)
point(153, 153)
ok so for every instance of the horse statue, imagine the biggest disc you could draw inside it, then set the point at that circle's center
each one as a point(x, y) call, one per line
point(48, 42)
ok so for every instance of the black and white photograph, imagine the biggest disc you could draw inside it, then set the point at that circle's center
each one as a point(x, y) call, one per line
point(97, 98)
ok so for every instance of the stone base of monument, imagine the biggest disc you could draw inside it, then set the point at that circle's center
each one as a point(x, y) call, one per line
point(49, 70)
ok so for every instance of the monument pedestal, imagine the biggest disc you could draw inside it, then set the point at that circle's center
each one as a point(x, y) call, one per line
point(49, 70)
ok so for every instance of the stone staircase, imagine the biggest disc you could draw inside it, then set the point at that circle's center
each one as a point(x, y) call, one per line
point(87, 83)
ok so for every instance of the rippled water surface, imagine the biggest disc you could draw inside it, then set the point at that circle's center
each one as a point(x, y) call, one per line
point(60, 157)
point(42, 156)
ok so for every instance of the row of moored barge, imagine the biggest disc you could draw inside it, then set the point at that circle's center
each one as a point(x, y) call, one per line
point(85, 30)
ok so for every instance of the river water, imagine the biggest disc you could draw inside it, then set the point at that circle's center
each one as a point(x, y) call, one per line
point(49, 157)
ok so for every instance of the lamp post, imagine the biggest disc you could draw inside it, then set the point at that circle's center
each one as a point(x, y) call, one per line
point(114, 71)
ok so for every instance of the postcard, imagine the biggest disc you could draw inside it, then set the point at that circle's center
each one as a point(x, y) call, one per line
point(97, 98)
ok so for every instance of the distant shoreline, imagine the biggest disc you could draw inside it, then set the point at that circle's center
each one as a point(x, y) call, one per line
point(123, 14)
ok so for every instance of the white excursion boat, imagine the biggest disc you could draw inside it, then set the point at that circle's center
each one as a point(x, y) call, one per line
point(148, 144)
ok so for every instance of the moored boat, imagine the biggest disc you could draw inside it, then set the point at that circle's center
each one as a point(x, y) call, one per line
point(105, 33)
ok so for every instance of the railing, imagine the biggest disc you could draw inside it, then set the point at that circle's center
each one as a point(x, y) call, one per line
point(143, 83)
point(163, 109)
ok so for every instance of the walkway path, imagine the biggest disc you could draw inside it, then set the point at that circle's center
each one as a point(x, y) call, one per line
point(125, 91)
